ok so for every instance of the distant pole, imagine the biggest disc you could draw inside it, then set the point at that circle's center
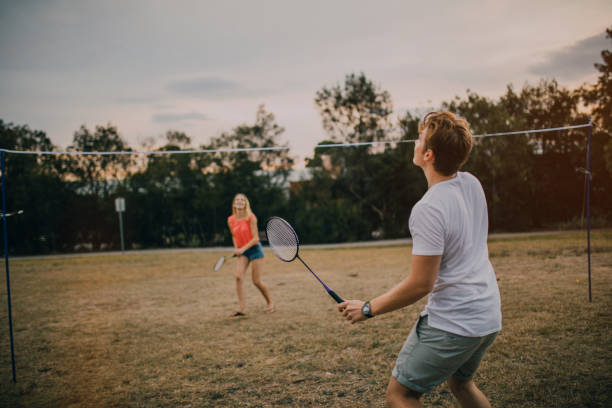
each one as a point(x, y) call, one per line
point(121, 231)
point(588, 203)
point(6, 262)
point(120, 207)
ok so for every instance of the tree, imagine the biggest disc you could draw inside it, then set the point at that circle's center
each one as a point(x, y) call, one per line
point(34, 185)
point(94, 178)
point(264, 133)
point(92, 172)
point(599, 95)
point(260, 174)
point(357, 112)
point(367, 182)
point(503, 165)
point(599, 98)
point(518, 171)
point(162, 196)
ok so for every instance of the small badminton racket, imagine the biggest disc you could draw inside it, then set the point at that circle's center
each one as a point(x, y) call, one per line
point(220, 262)
point(285, 244)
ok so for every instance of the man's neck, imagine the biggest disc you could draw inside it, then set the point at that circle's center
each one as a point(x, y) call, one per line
point(433, 177)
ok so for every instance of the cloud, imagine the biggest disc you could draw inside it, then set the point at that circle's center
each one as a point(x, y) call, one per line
point(208, 87)
point(573, 62)
point(178, 117)
point(137, 100)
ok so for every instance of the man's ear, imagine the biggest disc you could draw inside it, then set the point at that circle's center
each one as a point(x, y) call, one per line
point(428, 156)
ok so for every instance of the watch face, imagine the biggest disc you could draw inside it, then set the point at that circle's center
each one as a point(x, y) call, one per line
point(366, 309)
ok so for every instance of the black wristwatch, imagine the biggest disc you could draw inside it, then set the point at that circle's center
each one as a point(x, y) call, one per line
point(367, 310)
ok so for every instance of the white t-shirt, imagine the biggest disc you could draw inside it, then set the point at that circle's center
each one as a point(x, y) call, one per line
point(451, 220)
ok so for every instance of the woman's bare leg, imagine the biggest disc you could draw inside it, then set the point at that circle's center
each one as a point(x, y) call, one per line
point(256, 271)
point(241, 267)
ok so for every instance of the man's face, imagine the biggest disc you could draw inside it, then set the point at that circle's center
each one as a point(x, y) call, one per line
point(419, 149)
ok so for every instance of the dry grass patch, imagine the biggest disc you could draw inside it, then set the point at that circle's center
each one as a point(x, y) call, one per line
point(153, 330)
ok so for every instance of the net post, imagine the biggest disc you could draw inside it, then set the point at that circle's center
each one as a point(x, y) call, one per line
point(588, 204)
point(121, 232)
point(6, 262)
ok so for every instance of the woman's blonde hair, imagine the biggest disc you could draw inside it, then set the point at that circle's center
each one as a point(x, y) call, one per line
point(248, 205)
point(449, 138)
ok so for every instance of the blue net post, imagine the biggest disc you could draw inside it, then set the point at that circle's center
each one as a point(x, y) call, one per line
point(588, 204)
point(6, 261)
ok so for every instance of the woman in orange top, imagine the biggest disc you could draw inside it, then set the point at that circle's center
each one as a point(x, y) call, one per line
point(243, 226)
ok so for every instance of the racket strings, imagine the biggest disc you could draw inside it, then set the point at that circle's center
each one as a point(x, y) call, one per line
point(282, 239)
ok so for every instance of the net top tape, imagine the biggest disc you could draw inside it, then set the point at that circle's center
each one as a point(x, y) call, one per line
point(271, 148)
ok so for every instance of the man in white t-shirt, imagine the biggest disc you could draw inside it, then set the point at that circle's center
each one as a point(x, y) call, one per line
point(450, 263)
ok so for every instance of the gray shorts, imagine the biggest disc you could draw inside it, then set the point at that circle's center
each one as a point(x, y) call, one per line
point(431, 356)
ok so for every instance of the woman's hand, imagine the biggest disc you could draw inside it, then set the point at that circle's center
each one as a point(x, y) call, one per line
point(351, 310)
point(237, 252)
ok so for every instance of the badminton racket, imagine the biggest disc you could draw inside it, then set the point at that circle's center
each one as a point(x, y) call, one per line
point(285, 244)
point(220, 262)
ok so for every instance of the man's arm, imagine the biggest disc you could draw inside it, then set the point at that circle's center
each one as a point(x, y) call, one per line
point(418, 283)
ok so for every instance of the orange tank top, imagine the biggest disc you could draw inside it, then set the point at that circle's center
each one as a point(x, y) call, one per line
point(241, 229)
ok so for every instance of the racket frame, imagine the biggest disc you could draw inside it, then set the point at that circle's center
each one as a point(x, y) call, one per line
point(219, 264)
point(215, 268)
point(331, 293)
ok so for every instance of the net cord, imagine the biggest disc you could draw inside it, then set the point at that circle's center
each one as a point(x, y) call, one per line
point(275, 148)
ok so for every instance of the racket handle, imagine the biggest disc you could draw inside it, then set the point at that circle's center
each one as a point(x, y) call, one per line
point(336, 297)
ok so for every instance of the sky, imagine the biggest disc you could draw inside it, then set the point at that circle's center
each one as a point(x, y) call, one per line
point(203, 67)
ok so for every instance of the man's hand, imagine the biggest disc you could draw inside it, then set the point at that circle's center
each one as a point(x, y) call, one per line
point(351, 310)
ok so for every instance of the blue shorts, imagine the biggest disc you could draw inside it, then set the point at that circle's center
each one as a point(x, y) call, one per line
point(431, 356)
point(254, 252)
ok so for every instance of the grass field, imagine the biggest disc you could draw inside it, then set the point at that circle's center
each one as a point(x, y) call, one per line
point(152, 330)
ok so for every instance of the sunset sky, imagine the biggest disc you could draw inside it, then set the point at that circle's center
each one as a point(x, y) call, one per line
point(203, 67)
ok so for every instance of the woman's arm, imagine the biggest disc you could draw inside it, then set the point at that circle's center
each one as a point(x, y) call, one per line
point(233, 239)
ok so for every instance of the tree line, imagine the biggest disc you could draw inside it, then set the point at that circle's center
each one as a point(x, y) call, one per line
point(362, 192)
